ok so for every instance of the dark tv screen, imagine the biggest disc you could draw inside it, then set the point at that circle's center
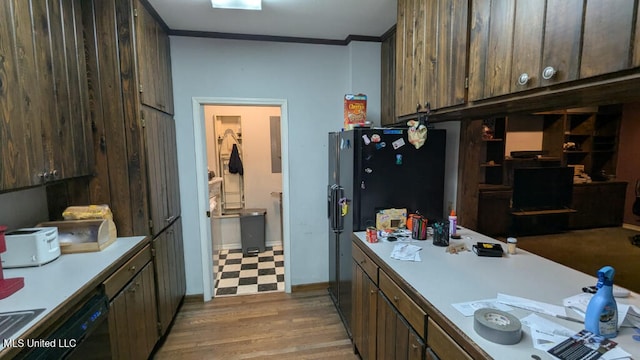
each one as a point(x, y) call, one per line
point(542, 188)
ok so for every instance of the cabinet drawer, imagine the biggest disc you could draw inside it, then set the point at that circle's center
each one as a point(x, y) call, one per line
point(406, 307)
point(442, 344)
point(365, 263)
point(121, 277)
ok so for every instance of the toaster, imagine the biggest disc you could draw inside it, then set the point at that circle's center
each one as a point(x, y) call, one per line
point(31, 247)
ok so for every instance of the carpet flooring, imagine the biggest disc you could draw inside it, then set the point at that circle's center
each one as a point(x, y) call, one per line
point(589, 250)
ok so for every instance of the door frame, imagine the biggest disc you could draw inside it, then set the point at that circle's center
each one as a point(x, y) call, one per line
point(202, 188)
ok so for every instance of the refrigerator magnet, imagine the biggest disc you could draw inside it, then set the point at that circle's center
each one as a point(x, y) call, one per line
point(380, 145)
point(398, 159)
point(375, 138)
point(398, 143)
point(368, 170)
point(366, 140)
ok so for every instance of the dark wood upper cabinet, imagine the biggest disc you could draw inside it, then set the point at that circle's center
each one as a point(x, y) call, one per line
point(152, 42)
point(44, 103)
point(601, 52)
point(562, 41)
point(388, 79)
point(431, 50)
point(528, 29)
point(527, 44)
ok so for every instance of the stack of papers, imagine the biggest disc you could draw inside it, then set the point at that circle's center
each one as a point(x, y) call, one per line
point(406, 252)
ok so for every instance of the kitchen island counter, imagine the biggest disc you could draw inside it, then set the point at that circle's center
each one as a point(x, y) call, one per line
point(59, 286)
point(442, 279)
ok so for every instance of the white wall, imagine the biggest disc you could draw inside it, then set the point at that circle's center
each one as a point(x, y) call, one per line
point(313, 79)
point(523, 133)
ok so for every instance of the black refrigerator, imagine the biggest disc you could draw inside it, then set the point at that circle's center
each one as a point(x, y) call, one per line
point(371, 170)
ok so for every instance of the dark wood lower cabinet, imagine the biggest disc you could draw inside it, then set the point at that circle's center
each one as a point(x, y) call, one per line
point(365, 305)
point(168, 261)
point(395, 337)
point(132, 318)
point(387, 322)
point(598, 205)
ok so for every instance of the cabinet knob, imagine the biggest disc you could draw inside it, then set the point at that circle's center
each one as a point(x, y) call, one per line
point(133, 268)
point(395, 298)
point(523, 79)
point(372, 292)
point(414, 346)
point(53, 174)
point(548, 72)
point(363, 261)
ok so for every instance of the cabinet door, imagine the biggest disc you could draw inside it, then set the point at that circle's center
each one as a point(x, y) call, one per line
point(406, 99)
point(386, 329)
point(602, 53)
point(451, 54)
point(490, 48)
point(388, 81)
point(431, 45)
point(44, 110)
point(164, 192)
point(169, 271)
point(528, 32)
point(154, 65)
point(133, 318)
point(562, 40)
point(165, 87)
point(364, 317)
point(396, 339)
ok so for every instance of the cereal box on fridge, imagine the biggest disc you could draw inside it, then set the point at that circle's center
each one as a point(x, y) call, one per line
point(355, 110)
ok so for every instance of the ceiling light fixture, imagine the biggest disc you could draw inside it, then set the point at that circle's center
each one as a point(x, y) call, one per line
point(237, 4)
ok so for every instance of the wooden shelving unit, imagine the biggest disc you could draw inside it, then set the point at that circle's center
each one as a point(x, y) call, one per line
point(493, 150)
point(587, 136)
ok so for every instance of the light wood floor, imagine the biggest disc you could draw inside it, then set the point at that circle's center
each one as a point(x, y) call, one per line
point(302, 325)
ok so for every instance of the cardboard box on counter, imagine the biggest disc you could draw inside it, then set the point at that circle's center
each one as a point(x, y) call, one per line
point(391, 219)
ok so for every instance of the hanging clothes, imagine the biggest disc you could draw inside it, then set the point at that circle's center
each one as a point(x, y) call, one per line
point(235, 163)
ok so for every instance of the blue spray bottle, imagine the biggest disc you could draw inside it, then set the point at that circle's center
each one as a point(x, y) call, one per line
point(602, 312)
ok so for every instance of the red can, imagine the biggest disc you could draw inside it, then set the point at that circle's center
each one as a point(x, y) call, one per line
point(372, 234)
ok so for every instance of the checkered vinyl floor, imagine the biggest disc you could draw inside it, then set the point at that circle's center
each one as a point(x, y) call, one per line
point(241, 275)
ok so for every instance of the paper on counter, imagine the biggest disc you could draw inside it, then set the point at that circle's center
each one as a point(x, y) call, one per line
point(546, 334)
point(628, 315)
point(532, 305)
point(468, 308)
point(406, 252)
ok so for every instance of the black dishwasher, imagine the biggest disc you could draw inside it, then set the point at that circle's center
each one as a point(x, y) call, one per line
point(84, 335)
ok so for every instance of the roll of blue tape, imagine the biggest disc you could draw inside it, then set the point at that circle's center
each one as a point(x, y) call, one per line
point(497, 326)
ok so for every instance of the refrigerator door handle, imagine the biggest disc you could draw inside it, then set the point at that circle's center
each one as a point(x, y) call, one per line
point(333, 207)
point(338, 208)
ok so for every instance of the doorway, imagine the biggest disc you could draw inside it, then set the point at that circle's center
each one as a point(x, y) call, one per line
point(277, 199)
point(245, 183)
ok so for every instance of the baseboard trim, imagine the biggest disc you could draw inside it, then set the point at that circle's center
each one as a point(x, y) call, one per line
point(194, 298)
point(310, 287)
point(631, 227)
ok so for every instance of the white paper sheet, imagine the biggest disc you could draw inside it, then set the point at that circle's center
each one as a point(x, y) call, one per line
point(406, 252)
point(532, 305)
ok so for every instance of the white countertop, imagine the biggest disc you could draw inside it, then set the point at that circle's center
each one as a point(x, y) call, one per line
point(50, 285)
point(444, 279)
